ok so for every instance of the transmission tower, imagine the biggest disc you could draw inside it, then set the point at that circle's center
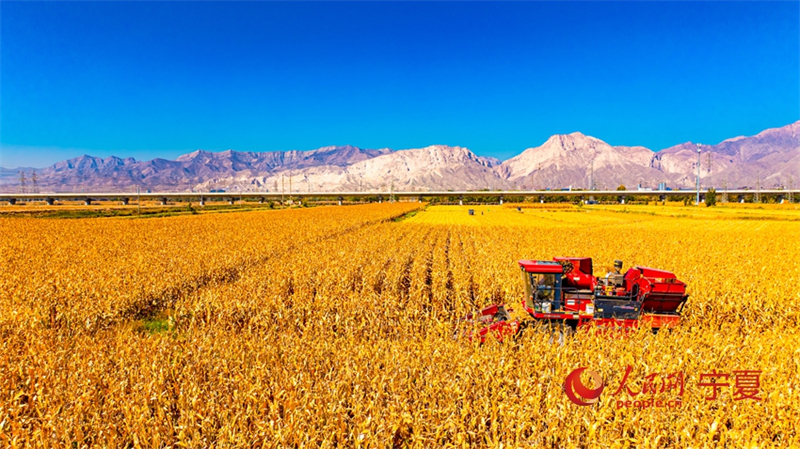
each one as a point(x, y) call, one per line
point(757, 197)
point(35, 184)
point(22, 182)
point(709, 158)
point(725, 191)
point(790, 196)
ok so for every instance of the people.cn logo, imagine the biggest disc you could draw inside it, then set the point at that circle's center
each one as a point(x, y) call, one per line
point(579, 393)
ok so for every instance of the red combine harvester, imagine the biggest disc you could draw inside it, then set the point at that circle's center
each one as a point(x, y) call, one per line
point(565, 292)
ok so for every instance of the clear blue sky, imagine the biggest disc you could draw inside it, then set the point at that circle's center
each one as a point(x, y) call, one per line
point(158, 79)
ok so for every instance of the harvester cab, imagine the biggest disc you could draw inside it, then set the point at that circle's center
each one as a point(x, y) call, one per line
point(542, 286)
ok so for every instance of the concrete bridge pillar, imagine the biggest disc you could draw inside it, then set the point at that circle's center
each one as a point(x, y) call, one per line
point(621, 199)
point(230, 201)
point(12, 201)
point(163, 201)
point(340, 200)
point(740, 198)
point(261, 200)
point(501, 200)
point(125, 201)
point(87, 201)
point(461, 200)
point(780, 199)
point(541, 199)
point(50, 201)
point(662, 198)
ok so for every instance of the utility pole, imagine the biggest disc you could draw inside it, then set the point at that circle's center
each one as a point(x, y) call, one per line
point(697, 201)
point(22, 182)
point(282, 187)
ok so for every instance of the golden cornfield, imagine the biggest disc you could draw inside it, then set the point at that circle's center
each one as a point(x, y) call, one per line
point(333, 327)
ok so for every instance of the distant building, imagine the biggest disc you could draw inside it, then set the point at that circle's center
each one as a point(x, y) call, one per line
point(662, 186)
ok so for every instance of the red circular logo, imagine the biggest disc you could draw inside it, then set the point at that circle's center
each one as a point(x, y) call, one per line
point(579, 393)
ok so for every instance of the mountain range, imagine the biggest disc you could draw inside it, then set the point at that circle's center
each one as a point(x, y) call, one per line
point(771, 158)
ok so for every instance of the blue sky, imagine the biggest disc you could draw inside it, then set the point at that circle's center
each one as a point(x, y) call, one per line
point(158, 79)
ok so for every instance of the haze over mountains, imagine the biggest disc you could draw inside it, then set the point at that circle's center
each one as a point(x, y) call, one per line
point(564, 160)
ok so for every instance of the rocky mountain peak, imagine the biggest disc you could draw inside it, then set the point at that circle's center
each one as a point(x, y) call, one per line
point(563, 160)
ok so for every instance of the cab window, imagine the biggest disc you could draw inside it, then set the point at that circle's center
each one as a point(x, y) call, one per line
point(543, 285)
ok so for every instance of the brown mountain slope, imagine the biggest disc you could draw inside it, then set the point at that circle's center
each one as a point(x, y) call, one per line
point(430, 168)
point(567, 160)
point(187, 171)
point(772, 156)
